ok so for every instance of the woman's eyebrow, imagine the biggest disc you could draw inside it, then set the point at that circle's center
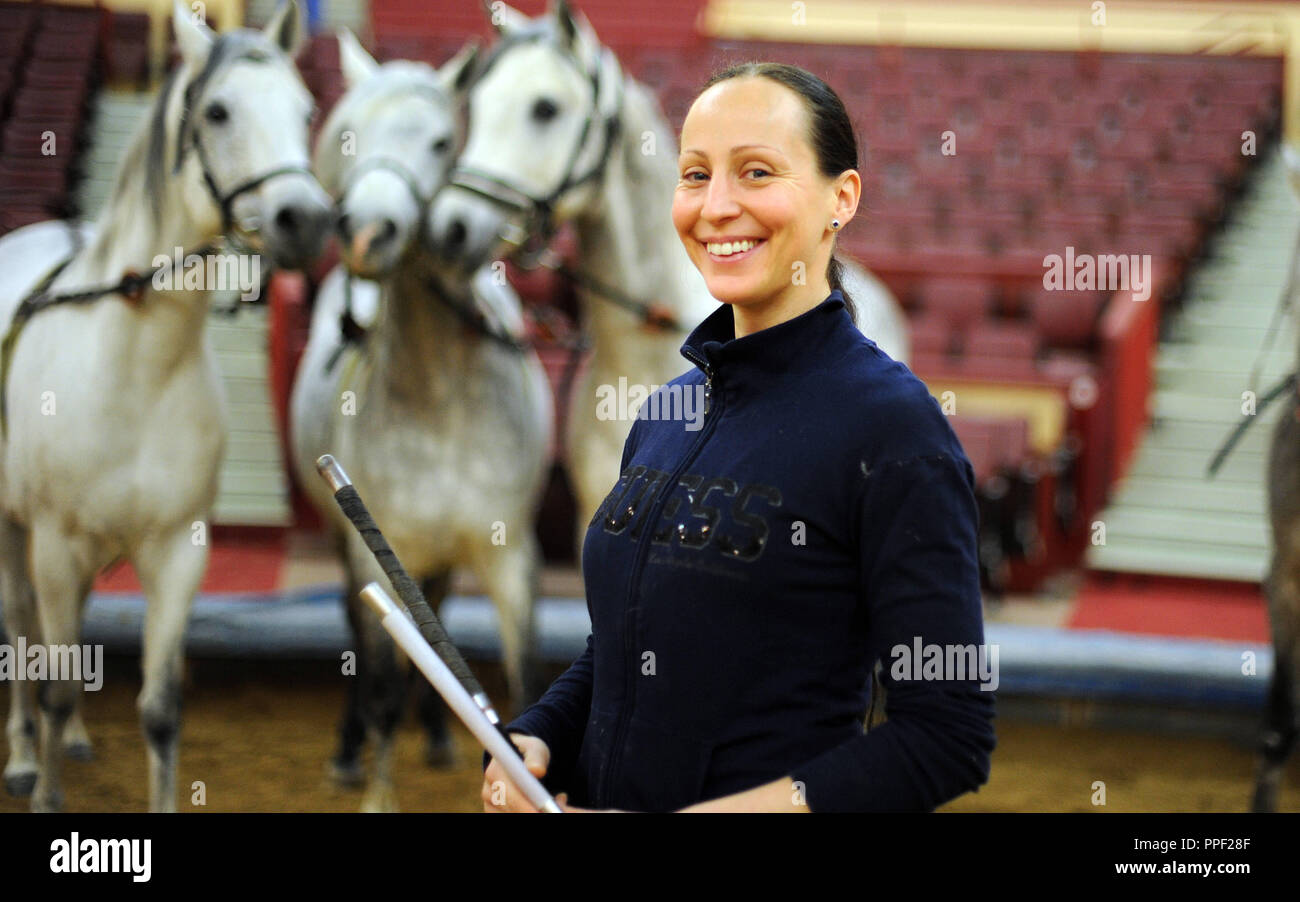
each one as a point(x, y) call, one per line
point(738, 147)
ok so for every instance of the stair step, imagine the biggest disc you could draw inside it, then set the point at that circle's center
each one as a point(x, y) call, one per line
point(1152, 492)
point(1202, 560)
point(1228, 529)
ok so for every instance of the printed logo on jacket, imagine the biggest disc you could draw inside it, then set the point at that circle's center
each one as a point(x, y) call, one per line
point(702, 514)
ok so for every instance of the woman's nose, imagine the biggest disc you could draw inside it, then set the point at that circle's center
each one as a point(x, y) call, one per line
point(719, 200)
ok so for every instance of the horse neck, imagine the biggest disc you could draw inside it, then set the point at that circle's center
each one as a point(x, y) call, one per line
point(629, 230)
point(419, 344)
point(133, 230)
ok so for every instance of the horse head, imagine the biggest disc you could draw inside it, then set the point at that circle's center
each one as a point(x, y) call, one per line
point(543, 114)
point(241, 116)
point(386, 149)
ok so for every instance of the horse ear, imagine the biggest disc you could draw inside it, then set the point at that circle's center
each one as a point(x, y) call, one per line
point(504, 18)
point(356, 63)
point(285, 27)
point(564, 18)
point(456, 71)
point(193, 36)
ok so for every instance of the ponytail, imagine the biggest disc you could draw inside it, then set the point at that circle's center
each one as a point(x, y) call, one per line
point(835, 276)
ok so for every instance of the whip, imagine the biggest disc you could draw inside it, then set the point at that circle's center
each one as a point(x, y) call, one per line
point(420, 634)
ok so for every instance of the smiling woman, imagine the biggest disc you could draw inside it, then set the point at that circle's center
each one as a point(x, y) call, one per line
point(751, 570)
point(768, 177)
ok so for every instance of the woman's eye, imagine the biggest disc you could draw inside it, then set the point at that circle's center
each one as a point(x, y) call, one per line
point(441, 146)
point(758, 172)
point(691, 176)
point(216, 113)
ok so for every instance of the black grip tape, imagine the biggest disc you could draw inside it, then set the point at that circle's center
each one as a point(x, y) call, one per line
point(430, 626)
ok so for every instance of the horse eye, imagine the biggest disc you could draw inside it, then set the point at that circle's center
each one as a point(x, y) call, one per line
point(441, 146)
point(544, 110)
point(216, 113)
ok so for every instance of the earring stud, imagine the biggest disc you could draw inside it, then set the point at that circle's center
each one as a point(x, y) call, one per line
point(835, 224)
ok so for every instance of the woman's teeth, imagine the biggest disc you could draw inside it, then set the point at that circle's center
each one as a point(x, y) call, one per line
point(727, 248)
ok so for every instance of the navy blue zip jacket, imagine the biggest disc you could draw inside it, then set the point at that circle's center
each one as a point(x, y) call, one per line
point(749, 569)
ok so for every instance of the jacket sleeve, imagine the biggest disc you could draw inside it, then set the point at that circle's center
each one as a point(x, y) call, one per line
point(916, 532)
point(559, 717)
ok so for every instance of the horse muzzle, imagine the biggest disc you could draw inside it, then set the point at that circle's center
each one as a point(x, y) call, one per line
point(297, 228)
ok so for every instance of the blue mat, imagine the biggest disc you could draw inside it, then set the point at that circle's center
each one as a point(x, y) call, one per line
point(310, 623)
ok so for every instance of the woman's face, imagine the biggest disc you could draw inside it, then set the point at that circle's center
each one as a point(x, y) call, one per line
point(747, 176)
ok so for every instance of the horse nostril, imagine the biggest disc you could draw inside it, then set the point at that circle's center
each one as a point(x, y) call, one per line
point(288, 220)
point(345, 227)
point(456, 233)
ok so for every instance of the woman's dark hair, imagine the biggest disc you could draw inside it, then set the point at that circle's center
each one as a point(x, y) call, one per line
point(830, 131)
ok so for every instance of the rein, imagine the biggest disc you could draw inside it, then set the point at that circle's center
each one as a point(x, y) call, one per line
point(1288, 383)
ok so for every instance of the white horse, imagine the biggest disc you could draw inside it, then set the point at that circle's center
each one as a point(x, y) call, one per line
point(445, 431)
point(558, 132)
point(114, 421)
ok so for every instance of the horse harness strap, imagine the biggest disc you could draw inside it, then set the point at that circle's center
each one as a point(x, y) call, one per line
point(351, 331)
point(131, 287)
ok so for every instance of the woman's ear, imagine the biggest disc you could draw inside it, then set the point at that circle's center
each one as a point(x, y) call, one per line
point(848, 191)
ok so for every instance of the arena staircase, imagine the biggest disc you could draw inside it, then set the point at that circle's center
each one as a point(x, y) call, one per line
point(353, 14)
point(1165, 517)
point(253, 488)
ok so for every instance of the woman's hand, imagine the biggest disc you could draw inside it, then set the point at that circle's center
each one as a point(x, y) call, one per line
point(499, 791)
point(779, 796)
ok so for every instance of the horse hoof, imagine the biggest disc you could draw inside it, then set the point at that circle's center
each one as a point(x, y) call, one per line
point(347, 774)
point(20, 785)
point(79, 751)
point(441, 755)
point(47, 803)
point(380, 802)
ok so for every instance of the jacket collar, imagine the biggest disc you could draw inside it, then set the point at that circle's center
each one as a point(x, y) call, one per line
point(796, 344)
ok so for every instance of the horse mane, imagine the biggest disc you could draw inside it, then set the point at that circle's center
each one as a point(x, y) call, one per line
point(641, 113)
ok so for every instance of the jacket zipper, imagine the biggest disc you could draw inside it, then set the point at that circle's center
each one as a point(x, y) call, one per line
point(638, 563)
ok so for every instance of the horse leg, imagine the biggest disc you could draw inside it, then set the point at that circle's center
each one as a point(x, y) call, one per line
point(381, 685)
point(20, 621)
point(1278, 735)
point(62, 569)
point(76, 739)
point(509, 574)
point(345, 766)
point(170, 567)
point(440, 750)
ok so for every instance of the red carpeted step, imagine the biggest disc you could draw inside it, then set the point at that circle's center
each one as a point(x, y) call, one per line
point(1169, 606)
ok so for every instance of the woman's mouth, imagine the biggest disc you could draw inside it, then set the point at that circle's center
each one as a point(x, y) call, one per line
point(732, 251)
